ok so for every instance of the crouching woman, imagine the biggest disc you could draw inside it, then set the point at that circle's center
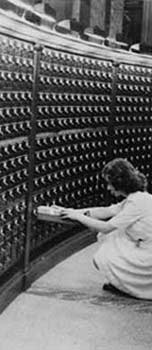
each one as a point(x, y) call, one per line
point(125, 251)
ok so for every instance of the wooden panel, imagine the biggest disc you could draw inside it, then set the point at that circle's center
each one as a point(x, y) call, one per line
point(76, 9)
point(97, 16)
point(147, 24)
point(116, 19)
point(85, 13)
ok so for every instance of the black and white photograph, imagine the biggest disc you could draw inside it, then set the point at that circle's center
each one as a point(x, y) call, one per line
point(75, 174)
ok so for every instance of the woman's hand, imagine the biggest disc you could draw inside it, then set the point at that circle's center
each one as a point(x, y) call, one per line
point(71, 214)
point(56, 209)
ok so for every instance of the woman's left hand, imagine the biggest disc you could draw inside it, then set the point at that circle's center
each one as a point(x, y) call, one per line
point(71, 214)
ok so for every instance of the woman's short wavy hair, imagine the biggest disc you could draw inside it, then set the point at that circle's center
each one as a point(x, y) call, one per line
point(124, 177)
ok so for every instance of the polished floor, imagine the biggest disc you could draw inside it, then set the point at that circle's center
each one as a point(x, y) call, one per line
point(66, 309)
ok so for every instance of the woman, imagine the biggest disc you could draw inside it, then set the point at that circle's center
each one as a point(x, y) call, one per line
point(125, 253)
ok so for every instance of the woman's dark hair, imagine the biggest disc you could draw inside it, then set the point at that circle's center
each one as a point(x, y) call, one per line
point(122, 175)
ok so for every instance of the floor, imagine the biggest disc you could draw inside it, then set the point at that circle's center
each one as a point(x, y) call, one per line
point(66, 309)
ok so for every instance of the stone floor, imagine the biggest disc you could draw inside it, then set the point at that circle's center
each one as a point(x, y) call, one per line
point(66, 309)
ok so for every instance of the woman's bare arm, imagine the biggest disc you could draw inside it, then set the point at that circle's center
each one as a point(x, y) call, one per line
point(100, 213)
point(92, 223)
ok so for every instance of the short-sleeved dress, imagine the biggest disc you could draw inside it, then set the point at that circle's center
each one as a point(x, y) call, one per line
point(125, 255)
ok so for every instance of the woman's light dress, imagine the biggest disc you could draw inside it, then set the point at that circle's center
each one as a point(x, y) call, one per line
point(125, 255)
